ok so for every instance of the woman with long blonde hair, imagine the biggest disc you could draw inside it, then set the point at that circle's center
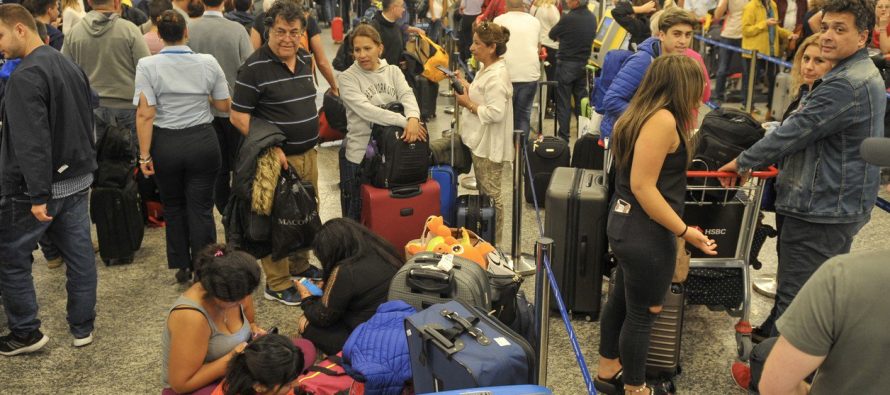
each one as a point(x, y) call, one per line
point(72, 13)
point(651, 147)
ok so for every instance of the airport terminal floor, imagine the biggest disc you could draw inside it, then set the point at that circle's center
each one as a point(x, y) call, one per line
point(133, 301)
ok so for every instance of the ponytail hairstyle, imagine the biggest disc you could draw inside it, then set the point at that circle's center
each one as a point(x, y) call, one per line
point(226, 274)
point(271, 361)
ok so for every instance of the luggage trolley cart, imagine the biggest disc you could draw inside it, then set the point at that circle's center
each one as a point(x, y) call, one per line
point(728, 215)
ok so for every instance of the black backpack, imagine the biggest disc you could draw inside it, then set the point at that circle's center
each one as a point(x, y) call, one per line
point(396, 163)
point(723, 135)
point(334, 111)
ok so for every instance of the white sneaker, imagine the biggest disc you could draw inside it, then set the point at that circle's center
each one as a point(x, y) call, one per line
point(83, 341)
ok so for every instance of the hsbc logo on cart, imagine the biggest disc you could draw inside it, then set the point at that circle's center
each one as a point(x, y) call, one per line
point(715, 232)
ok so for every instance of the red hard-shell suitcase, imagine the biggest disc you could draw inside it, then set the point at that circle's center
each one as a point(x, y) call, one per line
point(399, 215)
point(337, 29)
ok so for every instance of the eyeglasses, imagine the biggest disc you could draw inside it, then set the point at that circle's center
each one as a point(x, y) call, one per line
point(281, 33)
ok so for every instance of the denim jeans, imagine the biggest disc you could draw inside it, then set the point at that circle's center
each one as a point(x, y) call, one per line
point(571, 80)
point(758, 360)
point(803, 247)
point(523, 99)
point(350, 187)
point(49, 250)
point(70, 231)
point(646, 254)
point(187, 162)
point(726, 58)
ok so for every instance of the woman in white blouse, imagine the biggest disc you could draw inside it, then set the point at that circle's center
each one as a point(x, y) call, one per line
point(72, 13)
point(487, 115)
point(547, 13)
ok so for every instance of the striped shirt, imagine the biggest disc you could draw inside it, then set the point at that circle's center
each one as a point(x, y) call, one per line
point(267, 89)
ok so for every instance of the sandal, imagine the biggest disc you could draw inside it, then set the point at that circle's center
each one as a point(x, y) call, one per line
point(612, 386)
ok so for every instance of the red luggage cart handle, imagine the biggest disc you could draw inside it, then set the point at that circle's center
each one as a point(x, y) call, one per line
point(770, 172)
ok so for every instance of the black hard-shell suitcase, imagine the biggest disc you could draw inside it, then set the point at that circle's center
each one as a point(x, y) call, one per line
point(544, 156)
point(422, 287)
point(577, 209)
point(117, 213)
point(476, 213)
point(663, 360)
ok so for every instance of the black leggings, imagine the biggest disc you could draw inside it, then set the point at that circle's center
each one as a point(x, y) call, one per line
point(646, 253)
point(330, 340)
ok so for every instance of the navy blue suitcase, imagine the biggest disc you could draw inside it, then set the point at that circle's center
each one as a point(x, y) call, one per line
point(476, 213)
point(456, 346)
point(447, 179)
point(526, 389)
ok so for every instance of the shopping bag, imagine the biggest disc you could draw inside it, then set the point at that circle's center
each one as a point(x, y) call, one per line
point(295, 215)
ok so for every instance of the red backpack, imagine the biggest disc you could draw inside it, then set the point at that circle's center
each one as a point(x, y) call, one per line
point(326, 378)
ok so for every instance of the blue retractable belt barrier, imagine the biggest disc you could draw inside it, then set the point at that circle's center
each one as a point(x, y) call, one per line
point(883, 204)
point(748, 52)
point(573, 338)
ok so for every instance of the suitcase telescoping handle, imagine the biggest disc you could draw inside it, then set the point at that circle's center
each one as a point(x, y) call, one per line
point(432, 281)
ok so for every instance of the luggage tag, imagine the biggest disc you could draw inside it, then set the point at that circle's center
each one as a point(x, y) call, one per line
point(622, 206)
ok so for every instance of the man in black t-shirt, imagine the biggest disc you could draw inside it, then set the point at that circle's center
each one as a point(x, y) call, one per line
point(275, 84)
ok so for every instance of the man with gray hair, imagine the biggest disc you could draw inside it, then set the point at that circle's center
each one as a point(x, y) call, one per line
point(522, 59)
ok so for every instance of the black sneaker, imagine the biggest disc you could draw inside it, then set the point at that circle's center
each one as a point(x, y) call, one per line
point(13, 345)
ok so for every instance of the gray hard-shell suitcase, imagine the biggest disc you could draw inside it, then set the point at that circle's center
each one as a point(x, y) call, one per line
point(663, 360)
point(577, 209)
point(782, 95)
point(421, 286)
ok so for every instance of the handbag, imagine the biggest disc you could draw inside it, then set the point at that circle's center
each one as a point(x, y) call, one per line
point(681, 270)
point(294, 214)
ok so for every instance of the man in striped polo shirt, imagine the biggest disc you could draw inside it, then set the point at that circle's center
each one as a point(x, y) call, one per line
point(275, 84)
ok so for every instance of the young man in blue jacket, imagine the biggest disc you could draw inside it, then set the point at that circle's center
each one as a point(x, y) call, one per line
point(825, 191)
point(47, 160)
point(675, 29)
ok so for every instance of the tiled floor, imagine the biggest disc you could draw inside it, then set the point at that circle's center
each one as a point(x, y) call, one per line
point(133, 301)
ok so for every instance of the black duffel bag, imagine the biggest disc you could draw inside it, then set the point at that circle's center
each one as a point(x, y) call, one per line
point(334, 111)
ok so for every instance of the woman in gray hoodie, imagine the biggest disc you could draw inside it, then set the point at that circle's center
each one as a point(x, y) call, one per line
point(365, 87)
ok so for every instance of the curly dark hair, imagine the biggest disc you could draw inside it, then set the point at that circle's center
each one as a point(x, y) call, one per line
point(287, 10)
point(271, 360)
point(226, 274)
point(863, 11)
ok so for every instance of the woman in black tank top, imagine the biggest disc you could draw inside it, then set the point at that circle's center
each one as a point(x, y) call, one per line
point(650, 144)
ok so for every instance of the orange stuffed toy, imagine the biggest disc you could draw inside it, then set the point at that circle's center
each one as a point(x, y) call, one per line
point(444, 242)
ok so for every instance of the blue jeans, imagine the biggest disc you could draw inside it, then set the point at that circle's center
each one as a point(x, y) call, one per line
point(726, 58)
point(50, 251)
point(803, 247)
point(350, 187)
point(70, 231)
point(571, 80)
point(523, 99)
point(758, 361)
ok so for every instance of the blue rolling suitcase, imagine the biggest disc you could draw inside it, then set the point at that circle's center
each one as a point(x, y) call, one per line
point(447, 179)
point(455, 346)
point(527, 389)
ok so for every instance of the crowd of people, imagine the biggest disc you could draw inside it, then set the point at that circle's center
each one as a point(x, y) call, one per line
point(194, 82)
